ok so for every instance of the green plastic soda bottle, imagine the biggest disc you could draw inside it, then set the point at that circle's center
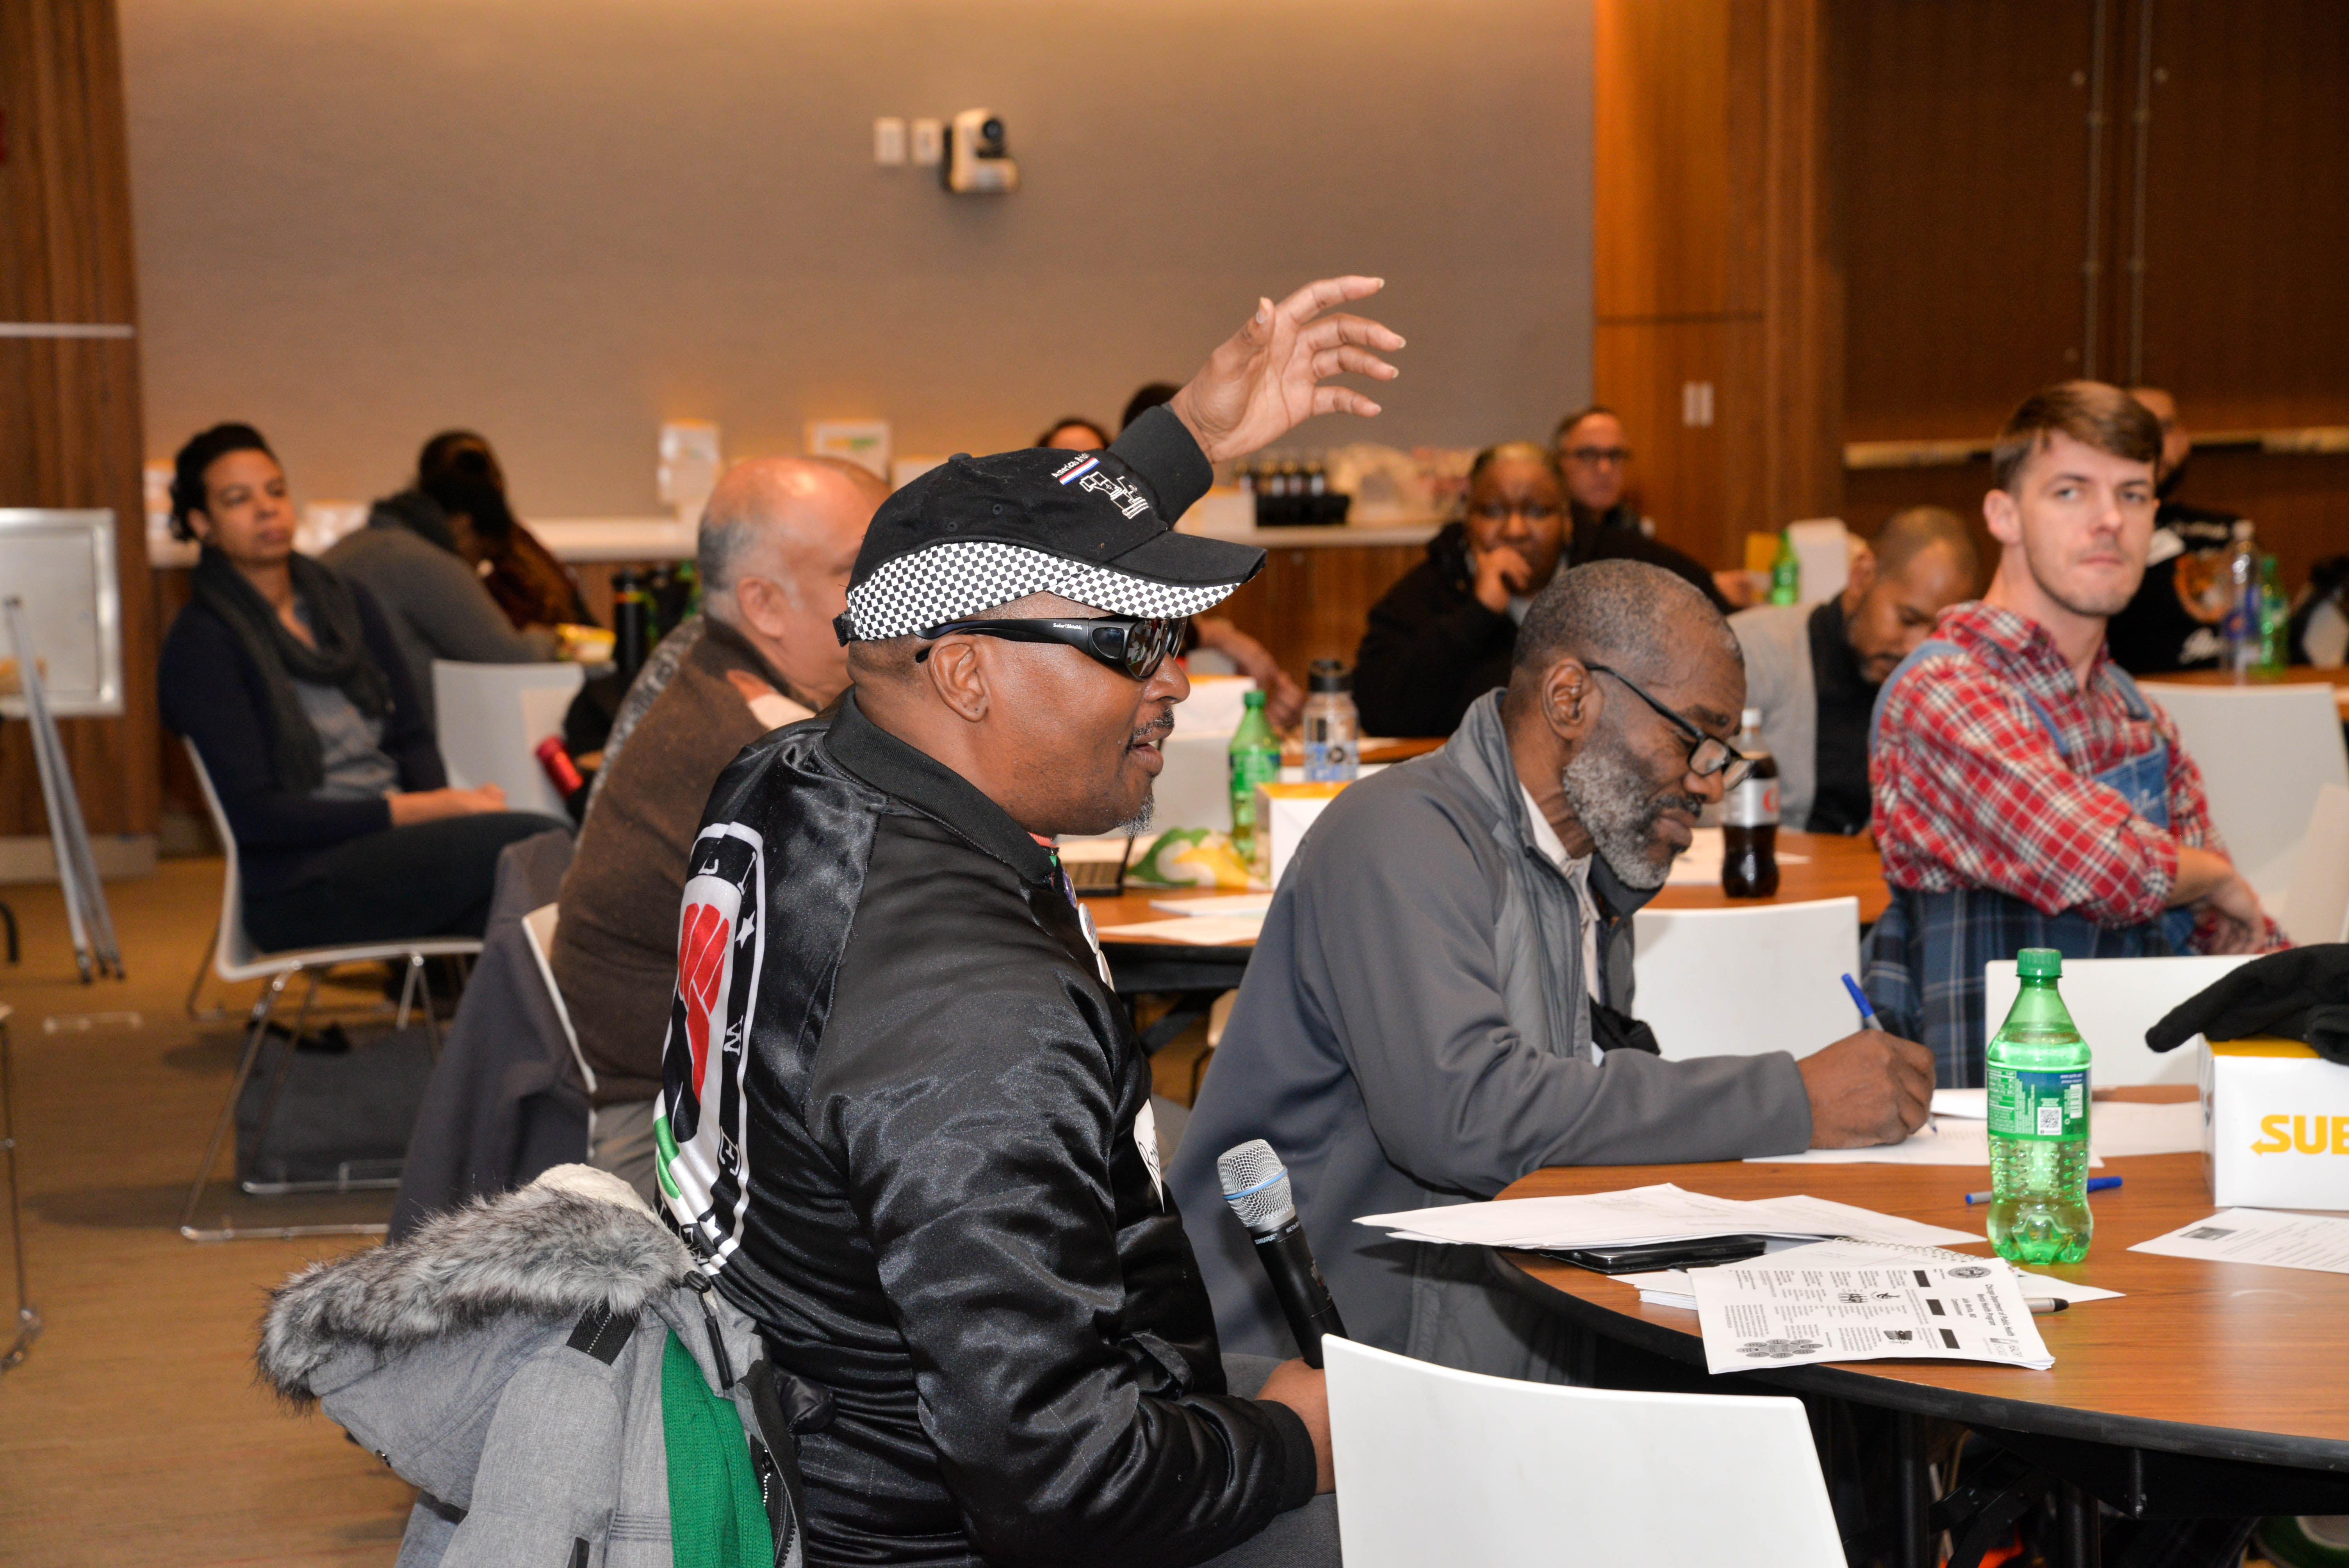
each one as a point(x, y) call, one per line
point(1254, 759)
point(2038, 1090)
point(1786, 573)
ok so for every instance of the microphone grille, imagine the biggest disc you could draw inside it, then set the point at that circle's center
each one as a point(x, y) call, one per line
point(1256, 1184)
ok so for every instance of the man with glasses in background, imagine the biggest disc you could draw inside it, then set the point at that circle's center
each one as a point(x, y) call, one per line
point(1439, 1002)
point(1595, 461)
point(905, 1118)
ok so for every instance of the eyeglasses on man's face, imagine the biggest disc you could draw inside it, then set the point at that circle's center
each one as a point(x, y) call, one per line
point(1707, 754)
point(1500, 511)
point(1596, 456)
point(1132, 646)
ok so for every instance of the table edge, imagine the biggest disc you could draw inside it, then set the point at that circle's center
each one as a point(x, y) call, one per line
point(1848, 1381)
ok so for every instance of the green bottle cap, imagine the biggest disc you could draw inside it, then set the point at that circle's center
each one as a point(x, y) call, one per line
point(2039, 964)
point(1252, 699)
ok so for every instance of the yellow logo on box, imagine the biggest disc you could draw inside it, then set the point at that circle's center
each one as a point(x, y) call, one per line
point(2309, 1135)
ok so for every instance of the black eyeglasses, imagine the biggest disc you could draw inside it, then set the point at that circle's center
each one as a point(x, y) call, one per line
point(1707, 754)
point(1132, 646)
point(1594, 456)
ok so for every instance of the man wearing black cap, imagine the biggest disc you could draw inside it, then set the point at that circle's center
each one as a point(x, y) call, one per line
point(904, 1120)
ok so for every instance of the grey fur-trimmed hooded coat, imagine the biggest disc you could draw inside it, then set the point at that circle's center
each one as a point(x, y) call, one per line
point(506, 1359)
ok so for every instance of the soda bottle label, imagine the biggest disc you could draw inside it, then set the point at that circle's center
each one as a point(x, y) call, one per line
point(1251, 768)
point(1753, 804)
point(1329, 759)
point(2042, 1104)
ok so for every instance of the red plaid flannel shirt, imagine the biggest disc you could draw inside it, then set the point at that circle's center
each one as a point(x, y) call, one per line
point(1971, 791)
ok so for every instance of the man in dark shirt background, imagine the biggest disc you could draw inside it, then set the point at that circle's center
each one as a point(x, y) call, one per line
point(1442, 636)
point(1814, 672)
point(2172, 623)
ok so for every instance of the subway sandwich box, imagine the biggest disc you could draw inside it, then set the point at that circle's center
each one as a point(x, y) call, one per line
point(2275, 1125)
point(1283, 812)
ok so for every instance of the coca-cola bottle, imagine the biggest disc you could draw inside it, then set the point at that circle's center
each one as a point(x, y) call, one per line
point(1749, 819)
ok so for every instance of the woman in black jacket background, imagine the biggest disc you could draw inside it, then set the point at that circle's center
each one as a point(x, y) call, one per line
point(287, 679)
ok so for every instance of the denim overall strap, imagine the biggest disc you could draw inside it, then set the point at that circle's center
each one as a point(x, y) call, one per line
point(1923, 962)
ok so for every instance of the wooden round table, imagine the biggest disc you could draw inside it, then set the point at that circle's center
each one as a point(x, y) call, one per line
point(2207, 1388)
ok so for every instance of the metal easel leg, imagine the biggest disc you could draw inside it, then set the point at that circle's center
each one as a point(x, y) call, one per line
point(28, 1321)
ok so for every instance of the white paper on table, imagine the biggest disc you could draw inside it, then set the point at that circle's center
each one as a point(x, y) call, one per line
point(1700, 863)
point(1661, 1213)
point(1205, 931)
point(1835, 1303)
point(1670, 1287)
point(2274, 1237)
point(1254, 904)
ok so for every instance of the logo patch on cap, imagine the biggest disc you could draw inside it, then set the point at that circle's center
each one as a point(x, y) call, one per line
point(1086, 474)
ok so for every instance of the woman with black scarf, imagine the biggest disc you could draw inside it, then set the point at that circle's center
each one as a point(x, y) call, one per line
point(286, 678)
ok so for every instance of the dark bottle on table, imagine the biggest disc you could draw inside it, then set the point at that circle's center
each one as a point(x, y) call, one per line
point(1749, 820)
point(632, 628)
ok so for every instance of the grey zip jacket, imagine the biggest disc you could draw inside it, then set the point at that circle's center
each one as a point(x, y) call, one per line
point(506, 1359)
point(1415, 1030)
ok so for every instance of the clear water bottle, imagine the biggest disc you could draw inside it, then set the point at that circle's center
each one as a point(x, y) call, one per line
point(1332, 729)
point(1254, 759)
point(1786, 573)
point(2038, 1091)
point(2242, 626)
point(2275, 619)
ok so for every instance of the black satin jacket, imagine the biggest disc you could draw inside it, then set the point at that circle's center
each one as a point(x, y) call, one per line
point(912, 1123)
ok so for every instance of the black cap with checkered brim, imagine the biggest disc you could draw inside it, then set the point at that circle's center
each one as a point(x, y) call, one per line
point(1095, 527)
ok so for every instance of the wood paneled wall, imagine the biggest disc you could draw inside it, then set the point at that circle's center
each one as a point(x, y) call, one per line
point(70, 434)
point(1716, 251)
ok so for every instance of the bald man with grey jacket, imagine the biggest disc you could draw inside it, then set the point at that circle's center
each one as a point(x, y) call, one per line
point(1440, 1000)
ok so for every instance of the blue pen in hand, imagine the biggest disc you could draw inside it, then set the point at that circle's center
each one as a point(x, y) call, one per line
point(1868, 1020)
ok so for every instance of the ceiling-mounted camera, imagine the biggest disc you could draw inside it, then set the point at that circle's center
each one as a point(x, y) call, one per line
point(978, 160)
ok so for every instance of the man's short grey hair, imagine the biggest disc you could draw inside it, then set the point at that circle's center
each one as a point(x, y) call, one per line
point(1625, 613)
point(726, 534)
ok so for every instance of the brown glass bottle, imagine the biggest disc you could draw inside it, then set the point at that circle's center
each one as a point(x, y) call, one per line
point(1749, 820)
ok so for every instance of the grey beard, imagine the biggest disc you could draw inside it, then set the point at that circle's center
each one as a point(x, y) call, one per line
point(1611, 800)
point(1134, 827)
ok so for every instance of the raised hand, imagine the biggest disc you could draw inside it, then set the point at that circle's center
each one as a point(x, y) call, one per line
point(1267, 378)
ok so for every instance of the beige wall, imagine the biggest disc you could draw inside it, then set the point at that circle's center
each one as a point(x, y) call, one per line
point(564, 220)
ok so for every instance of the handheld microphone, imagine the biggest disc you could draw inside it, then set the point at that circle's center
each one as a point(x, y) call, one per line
point(1256, 1184)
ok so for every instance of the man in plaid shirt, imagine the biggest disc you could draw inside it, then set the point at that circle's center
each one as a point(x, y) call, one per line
point(2026, 793)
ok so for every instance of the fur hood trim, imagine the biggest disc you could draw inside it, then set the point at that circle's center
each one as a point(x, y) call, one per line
point(543, 1252)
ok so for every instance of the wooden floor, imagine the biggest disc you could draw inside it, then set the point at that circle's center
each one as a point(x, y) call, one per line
point(134, 1433)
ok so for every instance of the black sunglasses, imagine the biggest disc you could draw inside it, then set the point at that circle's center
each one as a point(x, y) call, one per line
point(1707, 754)
point(1132, 646)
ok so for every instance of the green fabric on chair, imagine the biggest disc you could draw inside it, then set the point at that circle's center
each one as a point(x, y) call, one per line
point(717, 1518)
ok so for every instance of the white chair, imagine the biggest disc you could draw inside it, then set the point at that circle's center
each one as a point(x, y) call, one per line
point(1437, 1466)
point(2264, 751)
point(2316, 908)
point(538, 929)
point(1823, 547)
point(235, 959)
point(2113, 1001)
point(490, 719)
point(1740, 982)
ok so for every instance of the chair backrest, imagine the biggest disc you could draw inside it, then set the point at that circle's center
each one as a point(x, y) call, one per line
point(490, 719)
point(2316, 907)
point(538, 929)
point(1440, 1466)
point(2114, 1001)
point(1823, 547)
point(1739, 982)
point(232, 950)
point(2264, 751)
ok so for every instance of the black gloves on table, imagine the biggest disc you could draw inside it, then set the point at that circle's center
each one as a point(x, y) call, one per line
point(2301, 993)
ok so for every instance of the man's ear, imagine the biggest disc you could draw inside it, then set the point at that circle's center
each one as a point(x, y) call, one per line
point(760, 605)
point(957, 671)
point(1861, 576)
point(2005, 519)
point(1571, 700)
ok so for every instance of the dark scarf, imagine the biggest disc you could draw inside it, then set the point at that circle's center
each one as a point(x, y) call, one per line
point(297, 761)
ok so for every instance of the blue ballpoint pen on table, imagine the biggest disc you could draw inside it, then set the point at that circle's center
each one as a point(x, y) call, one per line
point(1868, 1020)
point(2095, 1184)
